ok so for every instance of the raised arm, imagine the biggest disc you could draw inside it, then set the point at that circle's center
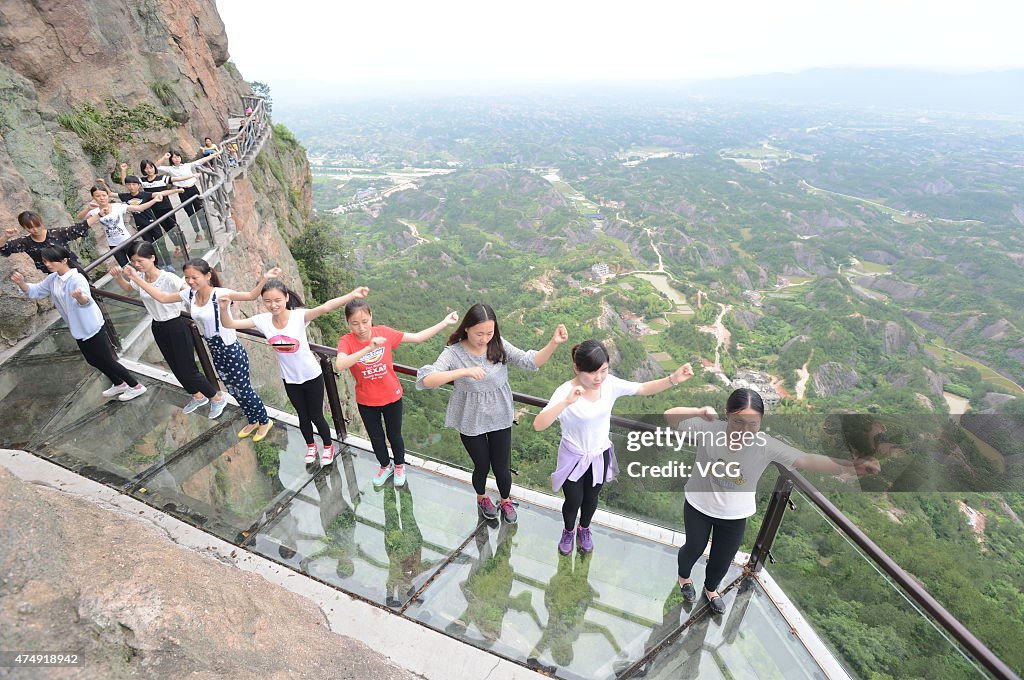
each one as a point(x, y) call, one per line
point(229, 321)
point(91, 205)
point(336, 303)
point(124, 171)
point(6, 234)
point(154, 292)
point(681, 374)
point(254, 294)
point(428, 333)
point(557, 338)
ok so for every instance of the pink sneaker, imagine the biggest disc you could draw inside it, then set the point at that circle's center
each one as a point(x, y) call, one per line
point(327, 457)
point(565, 545)
point(585, 540)
point(487, 508)
point(311, 454)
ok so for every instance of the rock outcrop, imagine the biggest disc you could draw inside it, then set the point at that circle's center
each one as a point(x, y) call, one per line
point(78, 576)
point(833, 378)
point(171, 55)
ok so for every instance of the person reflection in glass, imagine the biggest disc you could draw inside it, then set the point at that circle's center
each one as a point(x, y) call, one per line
point(338, 519)
point(403, 543)
point(567, 598)
point(488, 588)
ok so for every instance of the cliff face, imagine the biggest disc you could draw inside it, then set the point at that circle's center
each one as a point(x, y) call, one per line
point(170, 54)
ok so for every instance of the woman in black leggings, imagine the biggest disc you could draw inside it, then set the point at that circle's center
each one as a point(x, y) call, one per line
point(171, 331)
point(69, 290)
point(731, 457)
point(284, 327)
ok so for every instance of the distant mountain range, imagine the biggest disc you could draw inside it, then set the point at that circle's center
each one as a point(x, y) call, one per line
point(991, 92)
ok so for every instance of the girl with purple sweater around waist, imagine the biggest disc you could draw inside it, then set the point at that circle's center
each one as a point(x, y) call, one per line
point(586, 460)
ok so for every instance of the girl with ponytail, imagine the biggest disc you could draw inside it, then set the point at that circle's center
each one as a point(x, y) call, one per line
point(207, 302)
point(717, 505)
point(284, 326)
point(586, 460)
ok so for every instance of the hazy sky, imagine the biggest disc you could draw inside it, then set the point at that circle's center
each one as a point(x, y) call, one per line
point(457, 40)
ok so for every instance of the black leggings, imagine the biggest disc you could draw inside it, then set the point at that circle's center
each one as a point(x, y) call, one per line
point(727, 538)
point(174, 338)
point(581, 497)
point(122, 257)
point(391, 414)
point(194, 207)
point(308, 400)
point(491, 451)
point(100, 355)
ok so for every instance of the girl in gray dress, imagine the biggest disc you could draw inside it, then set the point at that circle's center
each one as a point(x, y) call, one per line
point(476, 361)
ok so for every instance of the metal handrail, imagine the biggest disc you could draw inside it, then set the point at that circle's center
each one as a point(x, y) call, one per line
point(222, 176)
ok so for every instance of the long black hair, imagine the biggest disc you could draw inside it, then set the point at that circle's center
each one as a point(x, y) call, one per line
point(204, 268)
point(58, 253)
point(477, 314)
point(144, 249)
point(744, 398)
point(589, 356)
point(293, 300)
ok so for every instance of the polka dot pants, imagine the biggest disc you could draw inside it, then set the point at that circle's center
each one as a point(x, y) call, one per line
point(232, 364)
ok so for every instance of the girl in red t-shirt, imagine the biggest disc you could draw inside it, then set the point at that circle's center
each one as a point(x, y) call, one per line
point(366, 352)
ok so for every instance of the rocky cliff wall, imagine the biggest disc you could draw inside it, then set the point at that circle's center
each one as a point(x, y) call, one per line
point(171, 54)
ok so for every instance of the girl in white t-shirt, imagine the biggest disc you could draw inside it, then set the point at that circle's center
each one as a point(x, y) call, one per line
point(586, 460)
point(718, 504)
point(284, 327)
point(111, 217)
point(185, 175)
point(170, 329)
point(202, 299)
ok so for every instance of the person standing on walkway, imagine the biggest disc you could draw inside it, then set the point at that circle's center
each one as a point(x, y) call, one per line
point(717, 506)
point(111, 216)
point(203, 298)
point(170, 329)
point(152, 181)
point(366, 352)
point(185, 175)
point(476, 361)
point(586, 459)
point(284, 326)
point(39, 237)
point(68, 289)
point(137, 196)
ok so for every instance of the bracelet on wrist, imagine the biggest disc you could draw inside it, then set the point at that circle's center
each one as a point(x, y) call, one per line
point(669, 376)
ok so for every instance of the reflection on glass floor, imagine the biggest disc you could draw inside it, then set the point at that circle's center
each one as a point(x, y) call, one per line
point(421, 550)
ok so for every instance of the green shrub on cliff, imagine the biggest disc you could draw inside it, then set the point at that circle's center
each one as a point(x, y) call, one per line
point(104, 132)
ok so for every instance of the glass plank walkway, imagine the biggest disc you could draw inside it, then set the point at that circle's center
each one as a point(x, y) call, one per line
point(421, 551)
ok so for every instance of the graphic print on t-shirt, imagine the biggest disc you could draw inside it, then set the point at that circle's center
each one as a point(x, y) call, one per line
point(373, 357)
point(282, 344)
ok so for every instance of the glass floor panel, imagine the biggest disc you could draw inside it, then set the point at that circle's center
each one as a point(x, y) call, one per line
point(421, 550)
point(578, 616)
point(381, 544)
point(32, 390)
point(751, 640)
point(230, 486)
point(117, 442)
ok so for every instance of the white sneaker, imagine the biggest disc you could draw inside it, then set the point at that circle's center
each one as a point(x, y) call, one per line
point(115, 390)
point(311, 454)
point(133, 392)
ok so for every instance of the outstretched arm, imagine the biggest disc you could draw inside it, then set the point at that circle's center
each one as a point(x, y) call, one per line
point(145, 206)
point(681, 374)
point(254, 294)
point(557, 338)
point(679, 414)
point(206, 159)
point(837, 466)
point(336, 303)
point(428, 333)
